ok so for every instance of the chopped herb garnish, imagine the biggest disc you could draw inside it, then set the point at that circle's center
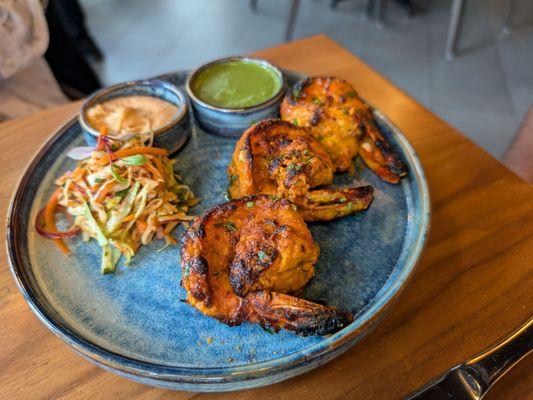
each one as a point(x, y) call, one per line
point(305, 152)
point(342, 200)
point(295, 122)
point(252, 122)
point(99, 180)
point(228, 225)
point(232, 178)
point(345, 111)
point(294, 167)
point(349, 206)
point(320, 138)
point(262, 256)
point(273, 162)
point(317, 101)
point(273, 197)
point(250, 204)
point(351, 93)
point(294, 207)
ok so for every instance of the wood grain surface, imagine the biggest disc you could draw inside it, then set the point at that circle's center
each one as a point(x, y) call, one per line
point(472, 288)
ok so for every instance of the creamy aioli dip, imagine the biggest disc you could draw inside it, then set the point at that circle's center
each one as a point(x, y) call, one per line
point(128, 115)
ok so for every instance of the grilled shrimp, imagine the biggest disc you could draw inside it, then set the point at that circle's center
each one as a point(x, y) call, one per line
point(243, 260)
point(343, 123)
point(278, 158)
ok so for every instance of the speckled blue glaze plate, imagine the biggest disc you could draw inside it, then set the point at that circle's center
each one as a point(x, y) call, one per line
point(133, 322)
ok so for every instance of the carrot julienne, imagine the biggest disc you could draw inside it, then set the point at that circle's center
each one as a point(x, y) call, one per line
point(49, 220)
point(41, 228)
point(131, 152)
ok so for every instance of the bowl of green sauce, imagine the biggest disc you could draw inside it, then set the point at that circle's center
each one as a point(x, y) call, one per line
point(230, 94)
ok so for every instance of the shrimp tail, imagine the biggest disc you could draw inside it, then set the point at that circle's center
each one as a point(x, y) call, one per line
point(327, 204)
point(276, 310)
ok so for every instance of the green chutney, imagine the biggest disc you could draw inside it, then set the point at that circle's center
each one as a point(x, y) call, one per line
point(236, 84)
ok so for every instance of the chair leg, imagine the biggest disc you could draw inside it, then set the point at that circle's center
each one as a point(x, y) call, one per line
point(409, 6)
point(508, 17)
point(454, 28)
point(380, 13)
point(253, 5)
point(334, 3)
point(295, 4)
point(369, 8)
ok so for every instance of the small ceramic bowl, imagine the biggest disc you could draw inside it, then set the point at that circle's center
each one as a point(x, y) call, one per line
point(234, 121)
point(171, 136)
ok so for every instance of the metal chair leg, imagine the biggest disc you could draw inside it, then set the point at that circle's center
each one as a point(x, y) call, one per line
point(454, 28)
point(369, 8)
point(380, 13)
point(334, 4)
point(508, 17)
point(295, 4)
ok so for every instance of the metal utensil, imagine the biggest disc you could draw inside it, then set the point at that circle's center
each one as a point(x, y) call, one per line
point(472, 379)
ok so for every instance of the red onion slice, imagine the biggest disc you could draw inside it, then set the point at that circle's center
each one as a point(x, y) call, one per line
point(80, 153)
point(73, 231)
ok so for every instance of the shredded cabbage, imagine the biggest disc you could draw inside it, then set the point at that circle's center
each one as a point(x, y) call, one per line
point(125, 202)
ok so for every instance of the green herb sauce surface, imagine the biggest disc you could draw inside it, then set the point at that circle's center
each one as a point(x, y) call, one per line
point(236, 84)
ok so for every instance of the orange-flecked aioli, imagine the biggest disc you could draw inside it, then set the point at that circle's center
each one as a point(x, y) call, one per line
point(128, 115)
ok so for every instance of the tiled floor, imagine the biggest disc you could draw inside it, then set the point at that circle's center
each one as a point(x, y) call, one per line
point(485, 92)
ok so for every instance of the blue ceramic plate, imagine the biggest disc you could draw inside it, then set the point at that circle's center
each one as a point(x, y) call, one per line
point(133, 322)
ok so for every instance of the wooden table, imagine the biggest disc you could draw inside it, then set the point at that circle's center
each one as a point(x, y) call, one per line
point(472, 288)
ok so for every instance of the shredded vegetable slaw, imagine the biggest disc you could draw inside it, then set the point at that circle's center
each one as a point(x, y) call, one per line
point(123, 197)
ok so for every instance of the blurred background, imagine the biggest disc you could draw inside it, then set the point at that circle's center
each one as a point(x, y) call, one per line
point(484, 91)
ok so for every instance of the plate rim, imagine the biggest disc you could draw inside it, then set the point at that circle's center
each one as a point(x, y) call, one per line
point(222, 378)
